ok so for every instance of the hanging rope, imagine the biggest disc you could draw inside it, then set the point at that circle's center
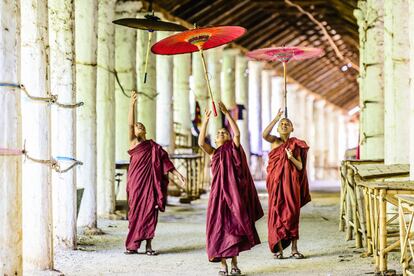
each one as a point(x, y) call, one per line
point(53, 163)
point(52, 99)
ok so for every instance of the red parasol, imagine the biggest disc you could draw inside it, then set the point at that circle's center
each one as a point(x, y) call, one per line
point(199, 39)
point(284, 54)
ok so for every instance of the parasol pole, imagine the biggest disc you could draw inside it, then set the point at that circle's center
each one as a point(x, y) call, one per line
point(208, 82)
point(147, 55)
point(285, 92)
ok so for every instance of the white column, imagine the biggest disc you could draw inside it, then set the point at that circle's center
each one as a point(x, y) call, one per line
point(229, 78)
point(255, 120)
point(301, 115)
point(165, 128)
point(200, 85)
point(396, 82)
point(181, 76)
point(242, 98)
point(105, 106)
point(320, 143)
point(36, 177)
point(342, 138)
point(214, 64)
point(147, 102)
point(292, 103)
point(370, 16)
point(411, 28)
point(266, 103)
point(277, 95)
point(125, 65)
point(86, 15)
point(310, 136)
point(62, 82)
point(10, 120)
point(332, 149)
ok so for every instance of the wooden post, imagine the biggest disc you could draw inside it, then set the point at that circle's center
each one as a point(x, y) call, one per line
point(369, 225)
point(62, 81)
point(11, 122)
point(36, 177)
point(382, 242)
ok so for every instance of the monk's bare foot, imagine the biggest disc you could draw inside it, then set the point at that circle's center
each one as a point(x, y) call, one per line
point(151, 252)
point(130, 252)
point(278, 255)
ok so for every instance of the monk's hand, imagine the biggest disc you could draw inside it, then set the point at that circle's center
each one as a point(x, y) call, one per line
point(207, 114)
point(182, 181)
point(289, 154)
point(279, 114)
point(223, 108)
point(134, 97)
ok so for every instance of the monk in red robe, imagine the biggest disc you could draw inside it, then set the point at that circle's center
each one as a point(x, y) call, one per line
point(146, 184)
point(233, 206)
point(287, 185)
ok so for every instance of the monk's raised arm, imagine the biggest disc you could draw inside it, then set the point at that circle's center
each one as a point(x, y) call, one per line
point(266, 132)
point(131, 117)
point(233, 124)
point(202, 137)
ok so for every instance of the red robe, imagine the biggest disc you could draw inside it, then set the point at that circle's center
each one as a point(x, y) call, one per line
point(233, 205)
point(146, 190)
point(288, 190)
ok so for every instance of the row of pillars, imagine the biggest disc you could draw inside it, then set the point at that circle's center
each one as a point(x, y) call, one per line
point(71, 48)
point(386, 80)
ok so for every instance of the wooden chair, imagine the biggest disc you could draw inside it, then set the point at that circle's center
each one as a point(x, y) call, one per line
point(406, 210)
point(382, 237)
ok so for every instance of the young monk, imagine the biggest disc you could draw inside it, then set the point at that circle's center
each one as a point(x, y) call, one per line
point(233, 205)
point(147, 182)
point(287, 185)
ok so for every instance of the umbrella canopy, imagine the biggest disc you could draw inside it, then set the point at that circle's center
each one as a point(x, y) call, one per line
point(197, 39)
point(284, 54)
point(151, 23)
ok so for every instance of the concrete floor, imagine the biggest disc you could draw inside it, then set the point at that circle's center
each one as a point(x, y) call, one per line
point(180, 239)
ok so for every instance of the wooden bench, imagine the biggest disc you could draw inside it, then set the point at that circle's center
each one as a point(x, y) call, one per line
point(348, 218)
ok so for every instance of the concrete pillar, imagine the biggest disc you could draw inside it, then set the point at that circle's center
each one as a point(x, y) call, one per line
point(214, 65)
point(200, 85)
point(86, 27)
point(10, 120)
point(310, 136)
point(242, 98)
point(332, 139)
point(147, 102)
point(36, 177)
point(229, 78)
point(266, 103)
point(255, 120)
point(292, 103)
point(277, 95)
point(105, 106)
point(370, 16)
point(320, 140)
point(411, 27)
point(125, 65)
point(165, 127)
point(301, 114)
point(181, 76)
point(342, 136)
point(396, 82)
point(62, 82)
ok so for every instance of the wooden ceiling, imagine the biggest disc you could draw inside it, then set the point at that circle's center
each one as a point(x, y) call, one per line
point(275, 23)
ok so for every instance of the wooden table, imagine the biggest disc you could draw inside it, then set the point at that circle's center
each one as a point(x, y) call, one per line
point(406, 210)
point(380, 240)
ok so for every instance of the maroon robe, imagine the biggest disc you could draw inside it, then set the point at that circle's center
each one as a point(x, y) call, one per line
point(288, 190)
point(146, 190)
point(233, 205)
